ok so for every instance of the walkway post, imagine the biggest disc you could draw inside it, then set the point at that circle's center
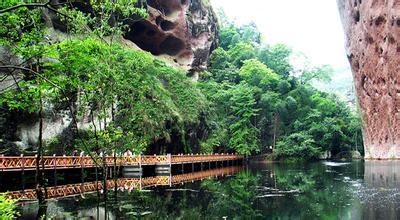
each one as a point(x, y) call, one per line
point(140, 164)
point(140, 183)
point(2, 162)
point(170, 169)
point(81, 155)
point(216, 162)
point(55, 169)
point(23, 171)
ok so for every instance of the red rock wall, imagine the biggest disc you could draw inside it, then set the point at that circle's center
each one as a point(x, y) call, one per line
point(372, 29)
point(183, 31)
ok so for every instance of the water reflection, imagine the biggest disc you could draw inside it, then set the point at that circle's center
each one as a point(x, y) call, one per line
point(122, 184)
point(123, 201)
point(380, 195)
point(355, 190)
point(319, 192)
point(382, 174)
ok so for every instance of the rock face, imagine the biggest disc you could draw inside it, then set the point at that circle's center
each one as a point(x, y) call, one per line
point(372, 29)
point(183, 31)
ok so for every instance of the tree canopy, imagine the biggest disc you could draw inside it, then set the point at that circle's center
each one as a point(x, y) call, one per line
point(259, 100)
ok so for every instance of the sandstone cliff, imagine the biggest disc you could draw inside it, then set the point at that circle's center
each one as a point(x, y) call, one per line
point(182, 31)
point(372, 29)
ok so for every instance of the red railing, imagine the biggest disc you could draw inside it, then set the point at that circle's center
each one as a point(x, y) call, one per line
point(198, 158)
point(17, 163)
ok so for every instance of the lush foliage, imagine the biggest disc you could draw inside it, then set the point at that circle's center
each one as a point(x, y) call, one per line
point(116, 96)
point(7, 208)
point(140, 98)
point(258, 100)
point(250, 98)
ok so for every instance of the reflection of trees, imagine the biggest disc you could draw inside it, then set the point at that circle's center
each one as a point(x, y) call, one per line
point(235, 197)
point(278, 191)
point(321, 196)
point(162, 204)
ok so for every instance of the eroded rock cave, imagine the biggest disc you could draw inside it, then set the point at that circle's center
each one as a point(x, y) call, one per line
point(182, 31)
point(372, 29)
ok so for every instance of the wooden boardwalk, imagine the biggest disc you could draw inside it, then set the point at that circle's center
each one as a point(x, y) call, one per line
point(20, 163)
point(123, 184)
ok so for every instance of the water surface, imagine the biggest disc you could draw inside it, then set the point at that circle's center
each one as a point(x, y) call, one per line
point(323, 190)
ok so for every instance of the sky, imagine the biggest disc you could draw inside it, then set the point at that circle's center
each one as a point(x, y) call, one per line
point(312, 27)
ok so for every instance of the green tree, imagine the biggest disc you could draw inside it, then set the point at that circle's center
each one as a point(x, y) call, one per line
point(257, 74)
point(277, 57)
point(320, 73)
point(244, 135)
point(249, 33)
point(7, 208)
point(228, 36)
point(240, 52)
point(298, 145)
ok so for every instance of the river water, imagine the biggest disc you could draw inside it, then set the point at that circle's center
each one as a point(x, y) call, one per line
point(322, 190)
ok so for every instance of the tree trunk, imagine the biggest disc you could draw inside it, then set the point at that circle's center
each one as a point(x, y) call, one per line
point(275, 125)
point(39, 176)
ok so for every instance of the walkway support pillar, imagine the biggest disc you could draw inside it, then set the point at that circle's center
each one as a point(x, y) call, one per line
point(133, 170)
point(164, 169)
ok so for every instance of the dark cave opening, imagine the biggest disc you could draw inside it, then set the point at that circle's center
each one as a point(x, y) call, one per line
point(151, 39)
point(167, 25)
point(144, 36)
point(171, 45)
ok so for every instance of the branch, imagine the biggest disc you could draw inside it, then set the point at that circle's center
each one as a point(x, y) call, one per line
point(15, 7)
point(58, 12)
point(4, 78)
point(32, 71)
point(7, 88)
point(47, 5)
point(12, 75)
point(131, 19)
point(62, 3)
point(15, 80)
